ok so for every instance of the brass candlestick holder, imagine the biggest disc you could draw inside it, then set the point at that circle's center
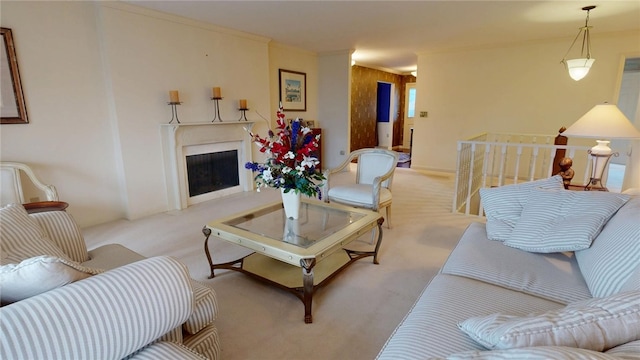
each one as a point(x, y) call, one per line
point(174, 111)
point(216, 109)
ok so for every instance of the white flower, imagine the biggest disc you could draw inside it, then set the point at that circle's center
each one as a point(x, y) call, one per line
point(286, 170)
point(266, 175)
point(289, 155)
point(309, 161)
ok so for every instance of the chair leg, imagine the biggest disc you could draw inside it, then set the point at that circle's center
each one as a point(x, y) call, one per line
point(388, 210)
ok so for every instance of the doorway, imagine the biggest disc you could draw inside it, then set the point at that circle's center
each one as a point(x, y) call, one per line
point(410, 114)
point(384, 114)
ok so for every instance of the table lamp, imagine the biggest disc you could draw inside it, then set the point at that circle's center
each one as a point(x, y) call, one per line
point(603, 122)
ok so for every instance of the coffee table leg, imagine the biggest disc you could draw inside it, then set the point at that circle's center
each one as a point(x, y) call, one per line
point(307, 283)
point(375, 253)
point(207, 232)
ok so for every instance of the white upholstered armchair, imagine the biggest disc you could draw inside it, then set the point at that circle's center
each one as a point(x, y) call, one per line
point(372, 187)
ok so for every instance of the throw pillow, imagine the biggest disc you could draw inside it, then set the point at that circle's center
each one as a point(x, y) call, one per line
point(558, 221)
point(630, 350)
point(22, 237)
point(533, 353)
point(611, 263)
point(62, 229)
point(37, 275)
point(503, 205)
point(596, 324)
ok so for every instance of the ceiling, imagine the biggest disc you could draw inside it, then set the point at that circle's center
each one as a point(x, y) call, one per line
point(390, 34)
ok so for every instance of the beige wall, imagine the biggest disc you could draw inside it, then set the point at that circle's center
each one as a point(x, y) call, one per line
point(96, 77)
point(334, 93)
point(290, 58)
point(70, 139)
point(516, 89)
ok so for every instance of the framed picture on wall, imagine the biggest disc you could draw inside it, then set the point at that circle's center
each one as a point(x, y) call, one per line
point(293, 90)
point(12, 105)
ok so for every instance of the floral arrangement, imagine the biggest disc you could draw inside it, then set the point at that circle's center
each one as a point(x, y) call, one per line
point(291, 165)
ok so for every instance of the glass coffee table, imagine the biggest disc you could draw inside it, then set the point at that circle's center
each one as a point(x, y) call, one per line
point(314, 243)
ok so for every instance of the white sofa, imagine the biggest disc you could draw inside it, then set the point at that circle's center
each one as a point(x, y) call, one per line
point(579, 299)
point(61, 301)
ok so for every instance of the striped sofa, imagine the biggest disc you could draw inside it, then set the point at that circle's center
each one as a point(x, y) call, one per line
point(122, 305)
point(491, 301)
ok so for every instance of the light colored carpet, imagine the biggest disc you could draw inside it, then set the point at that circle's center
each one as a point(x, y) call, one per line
point(352, 316)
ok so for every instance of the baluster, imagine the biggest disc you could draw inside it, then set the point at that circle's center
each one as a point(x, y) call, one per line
point(455, 188)
point(503, 159)
point(470, 185)
point(518, 155)
point(532, 166)
point(551, 156)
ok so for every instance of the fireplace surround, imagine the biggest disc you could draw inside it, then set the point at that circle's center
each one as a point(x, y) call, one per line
point(204, 141)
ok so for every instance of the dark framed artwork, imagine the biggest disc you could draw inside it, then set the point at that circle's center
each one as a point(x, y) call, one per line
point(13, 109)
point(293, 90)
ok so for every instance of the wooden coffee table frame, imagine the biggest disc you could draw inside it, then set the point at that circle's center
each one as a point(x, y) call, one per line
point(304, 292)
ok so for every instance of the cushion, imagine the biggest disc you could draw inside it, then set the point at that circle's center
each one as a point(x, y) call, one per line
point(503, 205)
point(166, 350)
point(62, 229)
point(22, 237)
point(37, 275)
point(553, 276)
point(359, 195)
point(609, 265)
point(205, 309)
point(429, 329)
point(594, 324)
point(630, 350)
point(633, 283)
point(205, 342)
point(534, 353)
point(557, 221)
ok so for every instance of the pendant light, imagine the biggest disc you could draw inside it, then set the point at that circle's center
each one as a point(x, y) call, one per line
point(579, 68)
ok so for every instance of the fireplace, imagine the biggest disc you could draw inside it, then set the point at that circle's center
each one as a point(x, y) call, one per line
point(212, 172)
point(205, 161)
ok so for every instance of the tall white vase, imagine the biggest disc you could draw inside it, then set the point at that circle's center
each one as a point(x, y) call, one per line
point(291, 203)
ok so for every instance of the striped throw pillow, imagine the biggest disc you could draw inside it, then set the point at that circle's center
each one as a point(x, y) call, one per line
point(533, 353)
point(558, 221)
point(62, 229)
point(503, 205)
point(596, 324)
point(612, 263)
point(22, 238)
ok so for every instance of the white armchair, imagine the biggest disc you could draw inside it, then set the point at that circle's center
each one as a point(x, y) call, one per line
point(11, 184)
point(372, 187)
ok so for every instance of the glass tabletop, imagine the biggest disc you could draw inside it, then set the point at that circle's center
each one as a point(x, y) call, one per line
point(316, 223)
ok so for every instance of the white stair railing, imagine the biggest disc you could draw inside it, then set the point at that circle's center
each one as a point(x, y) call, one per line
point(489, 160)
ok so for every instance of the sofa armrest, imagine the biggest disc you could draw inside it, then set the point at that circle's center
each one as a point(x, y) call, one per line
point(107, 316)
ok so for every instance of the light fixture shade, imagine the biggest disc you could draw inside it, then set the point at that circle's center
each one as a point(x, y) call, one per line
point(604, 121)
point(579, 68)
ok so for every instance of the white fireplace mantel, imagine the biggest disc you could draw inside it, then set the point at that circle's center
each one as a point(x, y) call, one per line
point(175, 137)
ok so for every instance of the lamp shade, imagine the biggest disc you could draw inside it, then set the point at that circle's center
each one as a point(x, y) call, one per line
point(604, 121)
point(579, 68)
